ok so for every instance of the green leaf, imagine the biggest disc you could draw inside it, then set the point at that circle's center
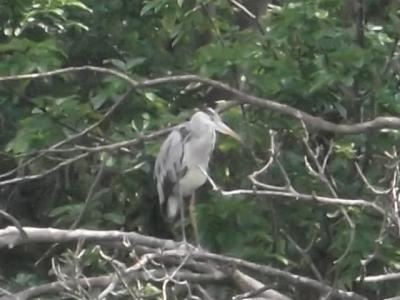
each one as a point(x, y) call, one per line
point(150, 5)
point(80, 5)
point(98, 100)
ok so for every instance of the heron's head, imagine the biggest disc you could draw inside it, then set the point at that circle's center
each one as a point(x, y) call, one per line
point(210, 118)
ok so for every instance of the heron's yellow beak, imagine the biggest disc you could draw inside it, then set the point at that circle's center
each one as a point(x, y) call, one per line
point(223, 128)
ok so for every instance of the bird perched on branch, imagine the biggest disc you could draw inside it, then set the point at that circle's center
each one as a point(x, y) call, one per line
point(182, 162)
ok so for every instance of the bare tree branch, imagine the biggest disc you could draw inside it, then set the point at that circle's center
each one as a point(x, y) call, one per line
point(244, 9)
point(304, 254)
point(285, 276)
point(320, 174)
point(310, 120)
point(252, 17)
point(302, 197)
point(6, 293)
point(380, 278)
point(103, 281)
point(374, 189)
point(9, 237)
point(256, 288)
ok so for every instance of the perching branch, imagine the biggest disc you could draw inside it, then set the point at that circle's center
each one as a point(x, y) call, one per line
point(102, 282)
point(254, 288)
point(9, 237)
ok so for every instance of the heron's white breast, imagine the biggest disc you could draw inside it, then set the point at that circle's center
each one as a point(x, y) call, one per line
point(193, 179)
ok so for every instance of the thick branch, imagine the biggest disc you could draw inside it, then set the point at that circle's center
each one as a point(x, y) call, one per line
point(284, 276)
point(310, 120)
point(256, 288)
point(104, 281)
point(9, 237)
point(380, 278)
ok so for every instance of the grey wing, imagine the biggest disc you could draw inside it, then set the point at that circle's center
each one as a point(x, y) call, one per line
point(168, 167)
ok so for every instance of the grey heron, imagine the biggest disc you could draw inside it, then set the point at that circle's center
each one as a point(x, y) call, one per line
point(182, 161)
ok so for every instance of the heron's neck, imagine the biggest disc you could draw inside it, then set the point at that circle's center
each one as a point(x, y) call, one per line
point(199, 147)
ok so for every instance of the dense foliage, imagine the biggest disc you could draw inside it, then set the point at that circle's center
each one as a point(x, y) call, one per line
point(334, 59)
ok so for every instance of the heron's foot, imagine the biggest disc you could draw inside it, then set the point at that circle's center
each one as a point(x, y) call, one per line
point(196, 241)
point(184, 245)
point(199, 247)
point(218, 189)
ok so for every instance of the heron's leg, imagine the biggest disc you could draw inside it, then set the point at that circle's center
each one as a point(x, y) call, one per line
point(193, 218)
point(182, 215)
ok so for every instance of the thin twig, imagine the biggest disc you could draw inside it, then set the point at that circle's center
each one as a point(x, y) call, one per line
point(249, 15)
point(320, 174)
point(305, 256)
point(44, 173)
point(375, 190)
point(90, 193)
